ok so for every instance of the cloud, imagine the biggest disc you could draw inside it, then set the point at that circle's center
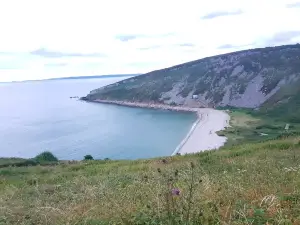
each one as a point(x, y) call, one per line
point(230, 46)
point(226, 46)
point(148, 32)
point(125, 38)
point(56, 54)
point(167, 46)
point(293, 5)
point(142, 64)
point(6, 53)
point(187, 45)
point(214, 15)
point(56, 64)
point(131, 37)
point(150, 47)
point(283, 37)
point(7, 67)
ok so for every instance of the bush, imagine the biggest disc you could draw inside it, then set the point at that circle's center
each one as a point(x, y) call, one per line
point(268, 126)
point(46, 157)
point(88, 157)
point(28, 162)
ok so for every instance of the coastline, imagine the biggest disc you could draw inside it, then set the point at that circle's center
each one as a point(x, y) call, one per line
point(183, 142)
point(202, 135)
point(148, 105)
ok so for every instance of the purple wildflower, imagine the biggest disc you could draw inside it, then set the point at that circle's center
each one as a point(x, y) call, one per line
point(175, 191)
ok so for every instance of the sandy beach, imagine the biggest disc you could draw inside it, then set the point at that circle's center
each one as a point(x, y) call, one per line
point(202, 135)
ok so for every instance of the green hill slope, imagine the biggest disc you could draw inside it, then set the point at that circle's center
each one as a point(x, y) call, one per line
point(285, 104)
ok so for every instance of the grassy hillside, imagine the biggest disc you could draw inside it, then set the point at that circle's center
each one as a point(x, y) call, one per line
point(249, 126)
point(284, 105)
point(255, 183)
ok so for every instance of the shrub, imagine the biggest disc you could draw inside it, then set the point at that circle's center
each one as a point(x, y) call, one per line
point(28, 162)
point(46, 157)
point(268, 126)
point(88, 157)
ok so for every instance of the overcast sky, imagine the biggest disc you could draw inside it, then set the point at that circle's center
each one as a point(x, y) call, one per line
point(40, 39)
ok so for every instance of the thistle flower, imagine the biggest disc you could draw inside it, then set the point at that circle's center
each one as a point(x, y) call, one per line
point(175, 192)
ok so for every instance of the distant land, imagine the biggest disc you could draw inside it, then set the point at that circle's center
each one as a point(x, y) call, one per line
point(95, 76)
point(79, 77)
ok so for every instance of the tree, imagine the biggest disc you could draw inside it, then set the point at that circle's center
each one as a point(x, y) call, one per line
point(46, 157)
point(88, 157)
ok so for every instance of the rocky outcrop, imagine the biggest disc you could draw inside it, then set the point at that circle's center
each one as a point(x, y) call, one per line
point(242, 79)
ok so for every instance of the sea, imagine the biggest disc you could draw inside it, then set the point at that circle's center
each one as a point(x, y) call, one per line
point(37, 116)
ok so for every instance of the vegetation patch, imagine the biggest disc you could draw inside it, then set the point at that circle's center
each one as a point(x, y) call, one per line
point(45, 157)
point(247, 125)
point(88, 157)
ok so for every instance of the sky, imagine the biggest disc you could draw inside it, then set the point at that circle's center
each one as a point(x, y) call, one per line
point(42, 39)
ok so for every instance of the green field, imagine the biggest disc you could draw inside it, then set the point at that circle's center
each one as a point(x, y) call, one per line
point(268, 123)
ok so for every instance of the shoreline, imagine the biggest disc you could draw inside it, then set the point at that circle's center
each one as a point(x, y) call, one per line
point(182, 143)
point(202, 135)
point(148, 105)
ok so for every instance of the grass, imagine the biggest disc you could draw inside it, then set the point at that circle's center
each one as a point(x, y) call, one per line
point(247, 126)
point(241, 126)
point(256, 183)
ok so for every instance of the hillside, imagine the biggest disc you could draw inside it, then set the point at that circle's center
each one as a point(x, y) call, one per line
point(247, 184)
point(240, 79)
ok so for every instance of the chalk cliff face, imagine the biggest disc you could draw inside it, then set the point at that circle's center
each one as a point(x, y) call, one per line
point(242, 79)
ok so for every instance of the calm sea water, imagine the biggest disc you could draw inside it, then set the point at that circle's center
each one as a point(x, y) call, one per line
point(39, 116)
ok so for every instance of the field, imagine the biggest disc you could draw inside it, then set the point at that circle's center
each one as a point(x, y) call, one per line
point(248, 126)
point(256, 183)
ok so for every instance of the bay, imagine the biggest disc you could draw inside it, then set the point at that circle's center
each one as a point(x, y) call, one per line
point(40, 115)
